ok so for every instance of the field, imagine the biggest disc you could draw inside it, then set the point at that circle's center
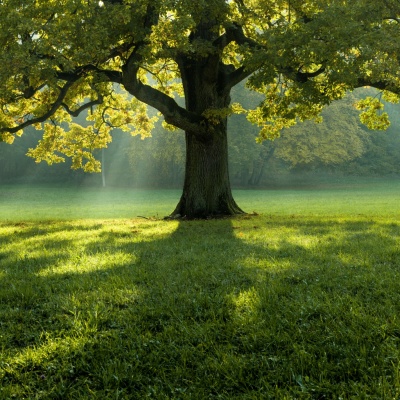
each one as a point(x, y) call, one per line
point(301, 301)
point(353, 198)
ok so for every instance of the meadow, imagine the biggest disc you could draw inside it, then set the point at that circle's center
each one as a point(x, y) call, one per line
point(298, 301)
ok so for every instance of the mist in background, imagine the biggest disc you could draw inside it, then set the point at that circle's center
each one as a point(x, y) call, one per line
point(338, 149)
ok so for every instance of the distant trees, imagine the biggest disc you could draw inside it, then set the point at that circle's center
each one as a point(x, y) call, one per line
point(59, 59)
point(16, 167)
point(159, 160)
point(338, 145)
point(337, 140)
point(382, 150)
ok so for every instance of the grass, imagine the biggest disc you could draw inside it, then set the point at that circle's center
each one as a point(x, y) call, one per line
point(295, 303)
point(35, 203)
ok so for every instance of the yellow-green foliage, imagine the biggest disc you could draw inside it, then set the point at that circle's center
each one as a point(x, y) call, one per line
point(372, 113)
point(59, 59)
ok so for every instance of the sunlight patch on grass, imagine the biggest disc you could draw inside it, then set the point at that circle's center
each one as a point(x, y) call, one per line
point(86, 264)
point(253, 307)
point(246, 305)
point(42, 354)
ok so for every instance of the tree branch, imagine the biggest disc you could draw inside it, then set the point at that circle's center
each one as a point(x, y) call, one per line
point(233, 76)
point(112, 76)
point(235, 33)
point(381, 85)
point(75, 113)
point(54, 107)
point(236, 76)
point(303, 77)
point(167, 106)
point(299, 76)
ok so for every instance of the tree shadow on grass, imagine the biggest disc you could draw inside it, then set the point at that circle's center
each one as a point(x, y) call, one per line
point(27, 248)
point(246, 308)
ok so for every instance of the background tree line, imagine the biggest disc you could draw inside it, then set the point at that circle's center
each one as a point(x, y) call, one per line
point(338, 146)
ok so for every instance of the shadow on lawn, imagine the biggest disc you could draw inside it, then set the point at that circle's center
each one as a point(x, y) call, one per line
point(27, 248)
point(209, 308)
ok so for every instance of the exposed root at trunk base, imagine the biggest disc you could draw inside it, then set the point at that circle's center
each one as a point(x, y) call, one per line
point(243, 215)
point(222, 209)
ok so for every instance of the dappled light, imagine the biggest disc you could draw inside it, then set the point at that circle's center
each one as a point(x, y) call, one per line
point(246, 305)
point(89, 263)
point(128, 267)
point(232, 298)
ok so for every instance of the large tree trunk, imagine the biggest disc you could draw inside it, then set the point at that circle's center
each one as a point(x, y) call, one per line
point(206, 191)
point(207, 81)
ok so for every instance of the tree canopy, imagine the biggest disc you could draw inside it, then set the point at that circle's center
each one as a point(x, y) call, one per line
point(61, 58)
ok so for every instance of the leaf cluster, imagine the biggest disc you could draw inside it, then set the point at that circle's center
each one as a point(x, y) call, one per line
point(60, 59)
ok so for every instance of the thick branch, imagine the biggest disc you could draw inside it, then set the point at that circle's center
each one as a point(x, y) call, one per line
point(381, 85)
point(236, 76)
point(305, 76)
point(54, 107)
point(302, 77)
point(232, 33)
point(112, 76)
point(235, 33)
point(168, 107)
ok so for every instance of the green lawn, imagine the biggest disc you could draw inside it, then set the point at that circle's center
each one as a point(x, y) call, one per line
point(22, 203)
point(299, 302)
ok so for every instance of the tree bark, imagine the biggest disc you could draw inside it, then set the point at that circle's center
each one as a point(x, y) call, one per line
point(206, 190)
point(207, 82)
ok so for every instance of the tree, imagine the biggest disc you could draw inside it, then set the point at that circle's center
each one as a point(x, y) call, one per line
point(60, 58)
point(382, 156)
point(337, 140)
point(334, 141)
